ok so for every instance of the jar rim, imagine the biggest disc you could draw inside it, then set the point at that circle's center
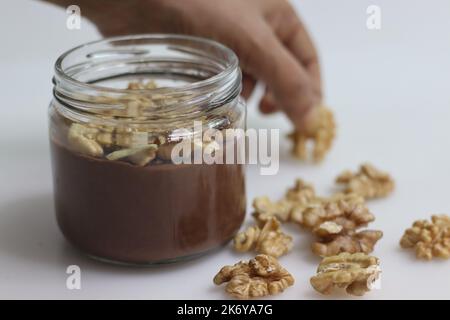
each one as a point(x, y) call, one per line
point(232, 63)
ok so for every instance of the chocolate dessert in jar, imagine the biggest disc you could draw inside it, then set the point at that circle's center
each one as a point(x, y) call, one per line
point(134, 133)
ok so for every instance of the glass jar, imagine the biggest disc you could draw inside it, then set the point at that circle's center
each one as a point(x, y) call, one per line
point(121, 106)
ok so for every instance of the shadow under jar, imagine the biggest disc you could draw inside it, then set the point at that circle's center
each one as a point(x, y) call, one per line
point(121, 106)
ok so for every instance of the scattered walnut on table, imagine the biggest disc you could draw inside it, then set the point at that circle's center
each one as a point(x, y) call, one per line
point(265, 209)
point(334, 239)
point(258, 277)
point(355, 272)
point(349, 212)
point(368, 182)
point(301, 193)
point(269, 239)
point(302, 206)
point(301, 197)
point(429, 238)
point(295, 201)
point(323, 133)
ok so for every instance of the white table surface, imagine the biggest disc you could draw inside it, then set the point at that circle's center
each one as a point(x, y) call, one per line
point(390, 91)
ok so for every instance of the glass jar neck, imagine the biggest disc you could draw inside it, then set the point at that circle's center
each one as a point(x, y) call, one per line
point(195, 77)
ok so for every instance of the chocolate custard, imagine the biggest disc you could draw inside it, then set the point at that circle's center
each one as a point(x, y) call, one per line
point(125, 213)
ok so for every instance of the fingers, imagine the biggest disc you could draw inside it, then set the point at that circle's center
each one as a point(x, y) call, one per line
point(265, 57)
point(248, 85)
point(268, 103)
point(298, 41)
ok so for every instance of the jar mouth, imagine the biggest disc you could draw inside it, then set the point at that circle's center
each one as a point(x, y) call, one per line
point(232, 60)
point(80, 73)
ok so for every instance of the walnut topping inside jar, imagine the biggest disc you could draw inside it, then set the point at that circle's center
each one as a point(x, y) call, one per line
point(139, 143)
point(83, 139)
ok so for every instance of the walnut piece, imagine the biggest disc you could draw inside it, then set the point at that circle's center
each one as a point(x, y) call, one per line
point(355, 272)
point(302, 206)
point(295, 201)
point(258, 277)
point(334, 239)
point(301, 193)
point(122, 139)
point(268, 240)
point(82, 139)
point(323, 135)
point(139, 155)
point(368, 182)
point(265, 209)
point(350, 212)
point(140, 85)
point(429, 239)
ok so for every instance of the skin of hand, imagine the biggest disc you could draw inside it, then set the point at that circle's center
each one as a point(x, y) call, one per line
point(268, 36)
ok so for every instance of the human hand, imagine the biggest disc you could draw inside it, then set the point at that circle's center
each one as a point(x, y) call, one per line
point(267, 35)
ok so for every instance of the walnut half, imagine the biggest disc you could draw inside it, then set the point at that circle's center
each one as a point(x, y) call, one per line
point(368, 182)
point(429, 238)
point(268, 240)
point(323, 133)
point(350, 212)
point(258, 277)
point(334, 239)
point(354, 272)
point(265, 209)
point(289, 209)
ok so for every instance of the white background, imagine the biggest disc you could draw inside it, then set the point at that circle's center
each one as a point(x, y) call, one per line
point(390, 92)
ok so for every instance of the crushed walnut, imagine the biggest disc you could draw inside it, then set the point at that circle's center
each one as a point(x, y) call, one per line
point(261, 276)
point(133, 139)
point(323, 133)
point(134, 146)
point(334, 239)
point(83, 139)
point(368, 182)
point(429, 238)
point(269, 239)
point(130, 143)
point(138, 155)
point(355, 272)
point(140, 85)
